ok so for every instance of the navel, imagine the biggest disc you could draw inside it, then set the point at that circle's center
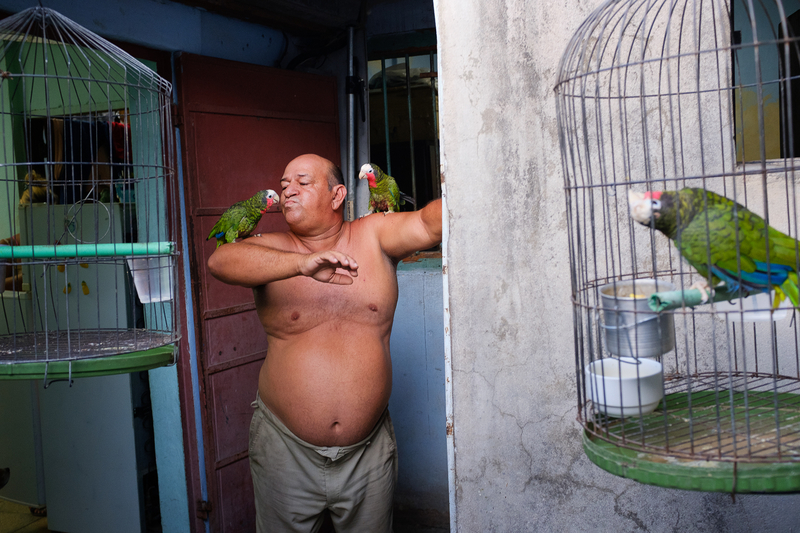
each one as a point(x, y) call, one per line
point(373, 308)
point(295, 315)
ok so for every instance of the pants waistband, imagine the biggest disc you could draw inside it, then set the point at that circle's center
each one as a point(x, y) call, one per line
point(331, 452)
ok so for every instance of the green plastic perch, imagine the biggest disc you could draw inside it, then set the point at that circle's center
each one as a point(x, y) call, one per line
point(86, 250)
point(668, 300)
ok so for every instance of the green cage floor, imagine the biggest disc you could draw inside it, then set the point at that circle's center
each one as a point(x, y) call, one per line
point(711, 441)
point(96, 366)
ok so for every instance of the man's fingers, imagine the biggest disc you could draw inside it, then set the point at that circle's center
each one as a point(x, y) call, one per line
point(323, 267)
point(344, 262)
point(341, 279)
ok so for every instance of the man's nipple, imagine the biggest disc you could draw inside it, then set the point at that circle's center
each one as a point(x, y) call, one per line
point(373, 308)
point(295, 315)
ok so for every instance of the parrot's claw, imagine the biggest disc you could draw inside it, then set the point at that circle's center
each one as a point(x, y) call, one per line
point(704, 289)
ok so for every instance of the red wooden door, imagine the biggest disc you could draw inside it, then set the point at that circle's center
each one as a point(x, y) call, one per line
point(240, 125)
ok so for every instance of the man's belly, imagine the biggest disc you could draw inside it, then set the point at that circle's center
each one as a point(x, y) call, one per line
point(328, 385)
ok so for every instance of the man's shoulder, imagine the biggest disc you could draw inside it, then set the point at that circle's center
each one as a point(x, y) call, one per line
point(281, 240)
point(370, 224)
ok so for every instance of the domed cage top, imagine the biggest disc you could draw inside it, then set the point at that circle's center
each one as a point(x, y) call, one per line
point(87, 198)
point(679, 124)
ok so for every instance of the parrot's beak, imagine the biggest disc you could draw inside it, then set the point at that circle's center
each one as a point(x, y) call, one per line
point(361, 175)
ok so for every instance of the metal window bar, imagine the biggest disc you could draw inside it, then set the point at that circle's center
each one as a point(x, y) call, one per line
point(432, 75)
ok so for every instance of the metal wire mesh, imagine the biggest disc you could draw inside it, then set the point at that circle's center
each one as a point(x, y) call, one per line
point(659, 96)
point(87, 195)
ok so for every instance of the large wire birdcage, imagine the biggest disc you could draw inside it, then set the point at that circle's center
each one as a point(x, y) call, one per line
point(686, 336)
point(86, 197)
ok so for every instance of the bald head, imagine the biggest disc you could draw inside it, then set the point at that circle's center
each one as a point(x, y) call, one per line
point(332, 172)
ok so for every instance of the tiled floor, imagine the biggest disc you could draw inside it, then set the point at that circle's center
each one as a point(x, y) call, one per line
point(15, 518)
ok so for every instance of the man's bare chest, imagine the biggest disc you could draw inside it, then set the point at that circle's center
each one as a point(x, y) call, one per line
point(300, 303)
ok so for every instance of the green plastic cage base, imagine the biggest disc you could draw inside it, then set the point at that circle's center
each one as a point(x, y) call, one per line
point(96, 366)
point(710, 476)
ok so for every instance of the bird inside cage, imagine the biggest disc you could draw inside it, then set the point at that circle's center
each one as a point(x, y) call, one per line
point(724, 241)
point(36, 190)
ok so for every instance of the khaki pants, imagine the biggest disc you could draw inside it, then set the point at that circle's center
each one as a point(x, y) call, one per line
point(294, 481)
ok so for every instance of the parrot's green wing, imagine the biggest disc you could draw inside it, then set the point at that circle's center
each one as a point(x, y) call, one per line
point(737, 245)
point(242, 217)
point(227, 227)
point(385, 194)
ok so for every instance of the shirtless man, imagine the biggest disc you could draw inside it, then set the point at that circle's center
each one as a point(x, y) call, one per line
point(325, 292)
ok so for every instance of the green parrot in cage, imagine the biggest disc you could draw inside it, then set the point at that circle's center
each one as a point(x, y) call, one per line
point(242, 217)
point(384, 195)
point(706, 229)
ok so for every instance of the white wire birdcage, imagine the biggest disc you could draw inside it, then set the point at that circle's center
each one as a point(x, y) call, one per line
point(86, 197)
point(666, 96)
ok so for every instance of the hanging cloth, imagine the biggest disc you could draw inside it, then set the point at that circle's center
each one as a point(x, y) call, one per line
point(121, 142)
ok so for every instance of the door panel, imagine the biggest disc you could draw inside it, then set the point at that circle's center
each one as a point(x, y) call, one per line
point(232, 337)
point(222, 177)
point(258, 90)
point(238, 513)
point(232, 392)
point(240, 125)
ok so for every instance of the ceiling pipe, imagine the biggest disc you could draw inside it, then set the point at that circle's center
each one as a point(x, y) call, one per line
point(351, 127)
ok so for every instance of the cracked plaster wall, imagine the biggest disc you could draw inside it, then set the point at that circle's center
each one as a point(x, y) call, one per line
point(519, 462)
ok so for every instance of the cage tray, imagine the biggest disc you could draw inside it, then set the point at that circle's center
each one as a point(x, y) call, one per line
point(720, 442)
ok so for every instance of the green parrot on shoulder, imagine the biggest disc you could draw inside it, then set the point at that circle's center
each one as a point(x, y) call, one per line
point(384, 196)
point(722, 240)
point(242, 217)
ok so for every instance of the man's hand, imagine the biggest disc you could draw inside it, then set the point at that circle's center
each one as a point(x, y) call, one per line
point(322, 267)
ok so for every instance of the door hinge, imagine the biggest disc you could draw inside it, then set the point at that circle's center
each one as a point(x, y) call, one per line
point(203, 509)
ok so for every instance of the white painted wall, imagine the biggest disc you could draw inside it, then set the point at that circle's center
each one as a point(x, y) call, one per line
point(519, 465)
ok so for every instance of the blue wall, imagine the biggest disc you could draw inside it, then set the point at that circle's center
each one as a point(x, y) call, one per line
point(417, 404)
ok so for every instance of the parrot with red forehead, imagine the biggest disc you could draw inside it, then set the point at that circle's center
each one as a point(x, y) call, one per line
point(242, 217)
point(722, 240)
point(384, 195)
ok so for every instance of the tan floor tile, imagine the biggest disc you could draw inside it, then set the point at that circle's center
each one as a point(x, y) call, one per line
point(17, 518)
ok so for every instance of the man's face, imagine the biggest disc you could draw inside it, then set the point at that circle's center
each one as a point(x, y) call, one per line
point(304, 191)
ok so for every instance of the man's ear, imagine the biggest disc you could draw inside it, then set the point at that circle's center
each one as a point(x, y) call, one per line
point(339, 194)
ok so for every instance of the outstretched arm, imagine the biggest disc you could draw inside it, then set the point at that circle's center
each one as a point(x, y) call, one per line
point(401, 234)
point(251, 264)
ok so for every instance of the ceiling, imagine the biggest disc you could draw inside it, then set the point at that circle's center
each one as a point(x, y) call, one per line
point(319, 19)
